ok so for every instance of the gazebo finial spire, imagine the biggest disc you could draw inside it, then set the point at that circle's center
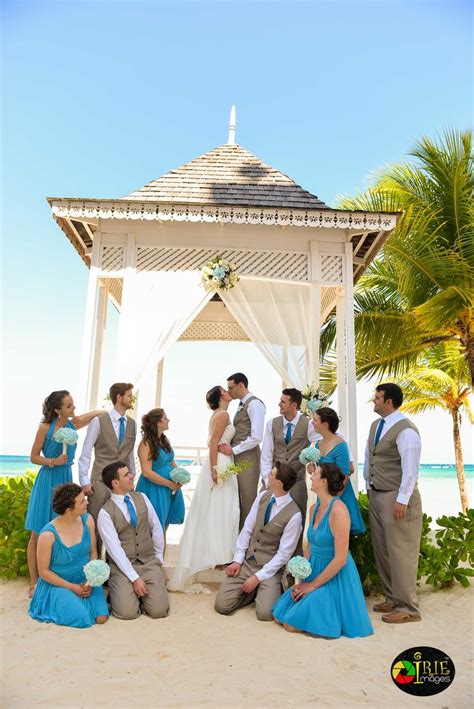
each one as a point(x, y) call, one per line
point(231, 138)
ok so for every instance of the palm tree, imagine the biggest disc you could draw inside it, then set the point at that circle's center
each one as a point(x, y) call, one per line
point(420, 289)
point(442, 381)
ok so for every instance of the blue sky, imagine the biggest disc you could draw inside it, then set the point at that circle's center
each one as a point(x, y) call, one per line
point(101, 97)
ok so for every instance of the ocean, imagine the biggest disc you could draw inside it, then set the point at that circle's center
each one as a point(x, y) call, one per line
point(17, 464)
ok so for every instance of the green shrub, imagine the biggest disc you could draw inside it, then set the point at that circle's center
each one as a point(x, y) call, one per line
point(14, 495)
point(440, 562)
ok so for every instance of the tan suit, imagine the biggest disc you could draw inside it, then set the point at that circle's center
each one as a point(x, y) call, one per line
point(137, 544)
point(107, 450)
point(396, 544)
point(248, 480)
point(263, 545)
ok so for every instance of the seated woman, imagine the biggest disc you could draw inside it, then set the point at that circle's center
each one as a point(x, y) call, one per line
point(331, 602)
point(334, 449)
point(65, 545)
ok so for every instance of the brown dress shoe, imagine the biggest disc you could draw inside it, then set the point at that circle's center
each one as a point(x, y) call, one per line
point(385, 607)
point(400, 617)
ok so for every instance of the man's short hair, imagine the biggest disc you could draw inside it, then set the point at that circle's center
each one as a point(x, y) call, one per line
point(295, 396)
point(239, 378)
point(110, 472)
point(286, 474)
point(118, 389)
point(393, 392)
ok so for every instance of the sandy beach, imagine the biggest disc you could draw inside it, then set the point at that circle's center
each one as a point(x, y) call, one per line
point(196, 657)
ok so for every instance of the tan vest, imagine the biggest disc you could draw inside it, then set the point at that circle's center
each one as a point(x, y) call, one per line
point(107, 449)
point(136, 542)
point(265, 538)
point(243, 428)
point(385, 470)
point(290, 453)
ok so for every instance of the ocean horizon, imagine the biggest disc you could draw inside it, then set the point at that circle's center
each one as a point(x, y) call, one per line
point(18, 464)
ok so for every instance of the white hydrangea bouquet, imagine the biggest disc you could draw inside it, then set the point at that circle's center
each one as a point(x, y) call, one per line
point(313, 399)
point(218, 274)
point(233, 469)
point(96, 572)
point(299, 567)
point(66, 436)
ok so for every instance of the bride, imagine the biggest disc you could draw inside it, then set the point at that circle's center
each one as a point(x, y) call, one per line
point(212, 523)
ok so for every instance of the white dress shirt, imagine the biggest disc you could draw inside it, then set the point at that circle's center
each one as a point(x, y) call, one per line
point(409, 447)
point(256, 411)
point(111, 539)
point(288, 541)
point(268, 447)
point(92, 435)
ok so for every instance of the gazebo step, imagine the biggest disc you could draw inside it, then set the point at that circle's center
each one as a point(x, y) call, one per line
point(211, 576)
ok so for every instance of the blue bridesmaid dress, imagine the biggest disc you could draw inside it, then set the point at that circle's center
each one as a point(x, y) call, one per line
point(336, 608)
point(40, 505)
point(168, 507)
point(340, 456)
point(53, 604)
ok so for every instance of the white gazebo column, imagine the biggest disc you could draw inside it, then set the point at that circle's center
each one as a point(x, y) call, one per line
point(90, 328)
point(351, 359)
point(341, 363)
point(102, 300)
point(159, 383)
point(123, 334)
point(315, 331)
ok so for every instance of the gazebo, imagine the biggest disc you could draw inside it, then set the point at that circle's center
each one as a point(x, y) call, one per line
point(296, 257)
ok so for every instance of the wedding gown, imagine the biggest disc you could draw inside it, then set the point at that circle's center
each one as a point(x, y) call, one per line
point(211, 527)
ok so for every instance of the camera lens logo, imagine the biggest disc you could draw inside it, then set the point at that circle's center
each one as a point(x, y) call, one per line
point(422, 671)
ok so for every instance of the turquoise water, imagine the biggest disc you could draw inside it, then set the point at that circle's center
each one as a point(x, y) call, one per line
point(17, 464)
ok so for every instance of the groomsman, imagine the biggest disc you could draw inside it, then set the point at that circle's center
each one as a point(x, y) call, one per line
point(264, 546)
point(284, 439)
point(112, 437)
point(392, 459)
point(133, 538)
point(248, 421)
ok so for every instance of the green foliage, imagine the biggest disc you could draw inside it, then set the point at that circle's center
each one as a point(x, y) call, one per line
point(444, 564)
point(14, 495)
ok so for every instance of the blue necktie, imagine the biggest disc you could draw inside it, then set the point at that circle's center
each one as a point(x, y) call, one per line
point(131, 509)
point(121, 429)
point(378, 432)
point(288, 434)
point(268, 510)
point(240, 406)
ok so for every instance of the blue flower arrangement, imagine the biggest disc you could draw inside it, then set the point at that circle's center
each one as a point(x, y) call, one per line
point(299, 567)
point(180, 476)
point(310, 455)
point(218, 274)
point(97, 572)
point(66, 436)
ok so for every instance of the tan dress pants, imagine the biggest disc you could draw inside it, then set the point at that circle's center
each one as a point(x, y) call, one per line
point(230, 596)
point(396, 547)
point(125, 603)
point(95, 503)
point(248, 482)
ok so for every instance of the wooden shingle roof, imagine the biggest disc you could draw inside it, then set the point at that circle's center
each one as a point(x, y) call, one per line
point(230, 175)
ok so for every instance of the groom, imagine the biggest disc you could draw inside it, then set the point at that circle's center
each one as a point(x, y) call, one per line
point(249, 422)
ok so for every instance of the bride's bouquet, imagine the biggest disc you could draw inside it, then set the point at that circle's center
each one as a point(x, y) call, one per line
point(180, 476)
point(66, 436)
point(233, 469)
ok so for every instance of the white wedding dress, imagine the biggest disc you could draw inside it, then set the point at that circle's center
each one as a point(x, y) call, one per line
point(212, 525)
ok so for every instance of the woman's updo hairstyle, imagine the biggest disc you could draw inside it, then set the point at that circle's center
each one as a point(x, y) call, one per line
point(51, 403)
point(64, 497)
point(150, 435)
point(328, 416)
point(334, 475)
point(213, 397)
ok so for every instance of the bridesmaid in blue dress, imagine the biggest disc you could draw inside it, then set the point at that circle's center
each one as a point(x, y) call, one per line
point(56, 468)
point(334, 449)
point(157, 461)
point(330, 603)
point(65, 545)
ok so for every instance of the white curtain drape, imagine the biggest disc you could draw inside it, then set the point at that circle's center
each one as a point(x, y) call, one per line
point(157, 307)
point(278, 318)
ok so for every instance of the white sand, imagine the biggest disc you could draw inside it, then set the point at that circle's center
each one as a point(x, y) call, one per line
point(196, 657)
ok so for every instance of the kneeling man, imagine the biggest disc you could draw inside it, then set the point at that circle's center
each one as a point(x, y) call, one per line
point(133, 538)
point(265, 544)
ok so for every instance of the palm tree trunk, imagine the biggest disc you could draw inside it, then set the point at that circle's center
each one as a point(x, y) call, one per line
point(459, 460)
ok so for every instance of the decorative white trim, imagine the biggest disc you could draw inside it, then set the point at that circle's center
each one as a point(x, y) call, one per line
point(123, 209)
